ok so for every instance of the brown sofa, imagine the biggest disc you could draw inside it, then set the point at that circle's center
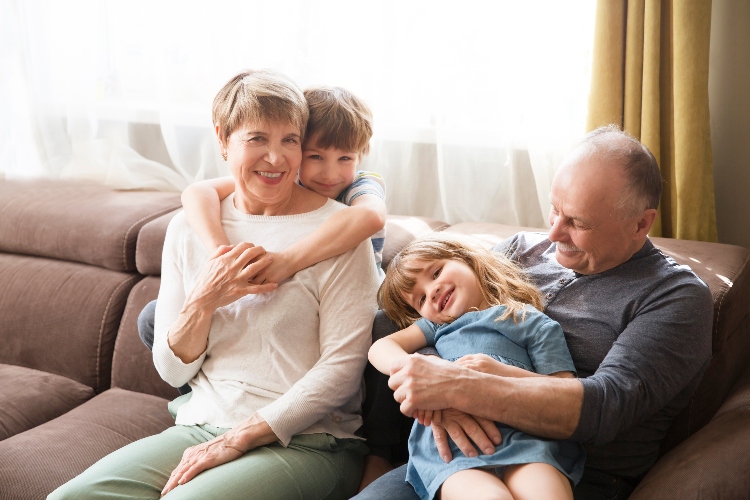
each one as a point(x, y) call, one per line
point(78, 262)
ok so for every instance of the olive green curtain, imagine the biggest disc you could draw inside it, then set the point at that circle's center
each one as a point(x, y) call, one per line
point(650, 76)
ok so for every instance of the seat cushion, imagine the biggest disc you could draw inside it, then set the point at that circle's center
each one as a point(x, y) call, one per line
point(79, 221)
point(35, 462)
point(31, 397)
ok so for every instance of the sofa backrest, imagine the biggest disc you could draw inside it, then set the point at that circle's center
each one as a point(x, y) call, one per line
point(67, 265)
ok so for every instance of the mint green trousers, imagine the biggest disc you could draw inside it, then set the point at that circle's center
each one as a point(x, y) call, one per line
point(313, 466)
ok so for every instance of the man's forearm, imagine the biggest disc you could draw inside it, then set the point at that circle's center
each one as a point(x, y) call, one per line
point(544, 406)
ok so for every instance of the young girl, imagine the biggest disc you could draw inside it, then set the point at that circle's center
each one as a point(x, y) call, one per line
point(466, 300)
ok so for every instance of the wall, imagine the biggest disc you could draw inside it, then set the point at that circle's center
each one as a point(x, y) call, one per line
point(729, 101)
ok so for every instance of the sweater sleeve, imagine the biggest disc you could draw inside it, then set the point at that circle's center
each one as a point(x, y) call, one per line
point(347, 310)
point(660, 352)
point(170, 301)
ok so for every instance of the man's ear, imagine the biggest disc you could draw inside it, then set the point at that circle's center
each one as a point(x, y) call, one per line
point(644, 223)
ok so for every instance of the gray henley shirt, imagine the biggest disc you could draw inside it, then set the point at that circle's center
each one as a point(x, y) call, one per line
point(640, 338)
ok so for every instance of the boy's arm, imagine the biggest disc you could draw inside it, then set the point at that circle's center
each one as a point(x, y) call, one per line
point(342, 231)
point(387, 350)
point(202, 204)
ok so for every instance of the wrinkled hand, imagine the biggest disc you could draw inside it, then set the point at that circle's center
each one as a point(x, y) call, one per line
point(201, 457)
point(228, 274)
point(277, 271)
point(483, 363)
point(423, 382)
point(466, 431)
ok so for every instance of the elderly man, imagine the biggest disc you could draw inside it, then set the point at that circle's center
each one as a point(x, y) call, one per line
point(637, 324)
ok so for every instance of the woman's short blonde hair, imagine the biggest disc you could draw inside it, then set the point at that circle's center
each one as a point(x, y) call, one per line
point(338, 119)
point(259, 96)
point(501, 281)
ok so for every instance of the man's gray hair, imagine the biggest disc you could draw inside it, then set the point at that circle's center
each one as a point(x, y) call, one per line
point(614, 147)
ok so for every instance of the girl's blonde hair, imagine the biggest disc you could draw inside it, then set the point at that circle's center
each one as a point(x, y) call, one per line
point(501, 281)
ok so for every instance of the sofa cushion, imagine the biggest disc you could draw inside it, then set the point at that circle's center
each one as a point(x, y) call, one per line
point(401, 230)
point(61, 317)
point(31, 397)
point(35, 462)
point(150, 244)
point(132, 364)
point(714, 463)
point(77, 221)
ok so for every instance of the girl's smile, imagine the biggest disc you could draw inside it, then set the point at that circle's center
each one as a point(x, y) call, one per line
point(444, 290)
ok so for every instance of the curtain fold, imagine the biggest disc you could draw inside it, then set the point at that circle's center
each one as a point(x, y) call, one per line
point(650, 76)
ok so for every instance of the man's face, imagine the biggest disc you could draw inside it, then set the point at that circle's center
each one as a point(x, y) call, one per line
point(588, 228)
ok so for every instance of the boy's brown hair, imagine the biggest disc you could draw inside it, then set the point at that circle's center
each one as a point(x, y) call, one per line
point(259, 96)
point(338, 119)
point(501, 281)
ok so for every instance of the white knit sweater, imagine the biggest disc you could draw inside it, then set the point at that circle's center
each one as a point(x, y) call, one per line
point(295, 355)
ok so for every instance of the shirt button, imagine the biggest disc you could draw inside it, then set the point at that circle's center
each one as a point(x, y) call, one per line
point(550, 295)
point(336, 418)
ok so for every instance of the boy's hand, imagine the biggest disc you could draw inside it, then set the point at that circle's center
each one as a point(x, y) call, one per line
point(277, 271)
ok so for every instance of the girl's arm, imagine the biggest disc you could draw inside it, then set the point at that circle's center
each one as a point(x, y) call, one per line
point(386, 351)
point(487, 364)
point(202, 204)
point(342, 232)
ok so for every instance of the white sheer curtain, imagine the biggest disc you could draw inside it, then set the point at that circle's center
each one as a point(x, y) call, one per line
point(475, 102)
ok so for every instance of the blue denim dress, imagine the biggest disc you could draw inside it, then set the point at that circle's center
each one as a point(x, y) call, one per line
point(537, 344)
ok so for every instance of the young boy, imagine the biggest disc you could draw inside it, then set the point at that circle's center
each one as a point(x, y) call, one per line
point(337, 137)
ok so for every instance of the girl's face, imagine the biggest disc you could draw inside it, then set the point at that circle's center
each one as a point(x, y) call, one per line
point(444, 290)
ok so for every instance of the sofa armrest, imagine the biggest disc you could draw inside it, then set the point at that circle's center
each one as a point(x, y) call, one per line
point(713, 463)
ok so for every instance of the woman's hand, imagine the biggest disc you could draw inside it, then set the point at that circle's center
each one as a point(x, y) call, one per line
point(234, 443)
point(229, 273)
point(201, 457)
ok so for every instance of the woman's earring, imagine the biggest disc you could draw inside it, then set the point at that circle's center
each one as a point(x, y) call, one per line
point(224, 155)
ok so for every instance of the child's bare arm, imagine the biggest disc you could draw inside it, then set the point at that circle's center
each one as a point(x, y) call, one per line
point(342, 231)
point(386, 351)
point(487, 364)
point(202, 204)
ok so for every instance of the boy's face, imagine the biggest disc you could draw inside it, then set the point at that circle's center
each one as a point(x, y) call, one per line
point(327, 171)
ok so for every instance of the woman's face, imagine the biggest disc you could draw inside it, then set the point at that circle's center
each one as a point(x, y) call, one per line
point(264, 159)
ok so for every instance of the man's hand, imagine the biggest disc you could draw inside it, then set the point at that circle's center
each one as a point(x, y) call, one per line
point(466, 431)
point(424, 382)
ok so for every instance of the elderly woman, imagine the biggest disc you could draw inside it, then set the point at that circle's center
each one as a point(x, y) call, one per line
point(275, 371)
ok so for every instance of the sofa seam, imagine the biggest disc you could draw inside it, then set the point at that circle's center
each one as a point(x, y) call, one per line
point(101, 330)
point(127, 233)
